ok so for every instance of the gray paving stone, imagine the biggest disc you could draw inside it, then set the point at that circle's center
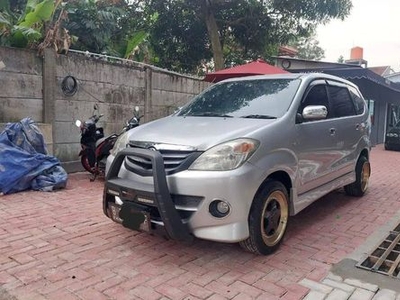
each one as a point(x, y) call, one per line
point(337, 294)
point(361, 294)
point(316, 286)
point(385, 295)
point(315, 295)
point(334, 277)
point(363, 285)
point(345, 287)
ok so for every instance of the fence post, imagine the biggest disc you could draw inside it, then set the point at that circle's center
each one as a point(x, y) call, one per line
point(49, 86)
point(148, 105)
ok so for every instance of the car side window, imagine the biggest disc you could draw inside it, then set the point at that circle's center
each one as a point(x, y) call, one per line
point(358, 100)
point(316, 96)
point(342, 103)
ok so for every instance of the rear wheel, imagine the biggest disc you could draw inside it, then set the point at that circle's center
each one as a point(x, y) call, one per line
point(268, 219)
point(360, 186)
point(85, 164)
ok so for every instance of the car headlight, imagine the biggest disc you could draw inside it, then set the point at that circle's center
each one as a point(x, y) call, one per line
point(120, 143)
point(226, 156)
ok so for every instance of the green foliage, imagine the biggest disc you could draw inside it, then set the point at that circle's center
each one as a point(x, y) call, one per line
point(248, 29)
point(179, 37)
point(111, 27)
point(135, 41)
point(173, 34)
point(38, 13)
point(308, 47)
point(341, 59)
point(93, 23)
point(21, 26)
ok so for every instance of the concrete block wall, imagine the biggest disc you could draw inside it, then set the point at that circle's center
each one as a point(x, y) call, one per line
point(114, 88)
point(21, 85)
point(31, 86)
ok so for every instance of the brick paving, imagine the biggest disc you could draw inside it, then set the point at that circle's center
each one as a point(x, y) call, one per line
point(60, 246)
point(333, 287)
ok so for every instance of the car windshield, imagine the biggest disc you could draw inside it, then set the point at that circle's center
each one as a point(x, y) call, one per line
point(257, 99)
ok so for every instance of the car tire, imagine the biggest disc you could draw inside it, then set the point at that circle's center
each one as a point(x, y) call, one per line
point(363, 172)
point(268, 219)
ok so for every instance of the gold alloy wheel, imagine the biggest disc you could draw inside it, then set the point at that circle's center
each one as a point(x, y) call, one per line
point(365, 173)
point(274, 218)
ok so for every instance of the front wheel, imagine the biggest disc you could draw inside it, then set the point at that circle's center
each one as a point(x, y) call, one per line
point(360, 186)
point(85, 164)
point(268, 219)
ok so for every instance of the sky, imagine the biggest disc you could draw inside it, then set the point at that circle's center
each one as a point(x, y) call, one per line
point(373, 25)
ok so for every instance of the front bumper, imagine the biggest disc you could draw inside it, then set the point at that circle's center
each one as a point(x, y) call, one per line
point(174, 226)
point(179, 203)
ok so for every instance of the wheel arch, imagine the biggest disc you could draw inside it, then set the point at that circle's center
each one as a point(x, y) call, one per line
point(284, 178)
point(365, 153)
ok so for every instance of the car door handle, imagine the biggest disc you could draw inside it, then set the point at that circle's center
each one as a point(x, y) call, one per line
point(357, 126)
point(332, 131)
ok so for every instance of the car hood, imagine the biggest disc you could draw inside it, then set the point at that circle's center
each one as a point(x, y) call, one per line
point(200, 133)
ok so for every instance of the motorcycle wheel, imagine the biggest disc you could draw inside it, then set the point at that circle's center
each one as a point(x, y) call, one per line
point(85, 164)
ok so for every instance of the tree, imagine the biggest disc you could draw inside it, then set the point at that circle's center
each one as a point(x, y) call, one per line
point(178, 37)
point(112, 27)
point(181, 35)
point(93, 23)
point(340, 59)
point(308, 47)
point(23, 24)
point(235, 31)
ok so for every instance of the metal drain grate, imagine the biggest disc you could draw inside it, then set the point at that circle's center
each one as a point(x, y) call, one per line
point(386, 258)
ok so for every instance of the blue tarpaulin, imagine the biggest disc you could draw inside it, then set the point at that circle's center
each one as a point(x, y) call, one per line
point(24, 163)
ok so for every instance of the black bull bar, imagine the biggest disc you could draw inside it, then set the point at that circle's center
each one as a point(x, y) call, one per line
point(173, 224)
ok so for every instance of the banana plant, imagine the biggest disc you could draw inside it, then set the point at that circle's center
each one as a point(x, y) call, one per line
point(25, 27)
point(138, 47)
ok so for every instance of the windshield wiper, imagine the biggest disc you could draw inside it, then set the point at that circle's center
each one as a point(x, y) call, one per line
point(258, 117)
point(211, 114)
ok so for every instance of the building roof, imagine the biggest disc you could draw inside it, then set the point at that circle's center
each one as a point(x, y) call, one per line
point(287, 51)
point(333, 64)
point(381, 70)
point(372, 85)
point(396, 74)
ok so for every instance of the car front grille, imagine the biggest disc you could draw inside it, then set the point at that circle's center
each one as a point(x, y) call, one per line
point(174, 161)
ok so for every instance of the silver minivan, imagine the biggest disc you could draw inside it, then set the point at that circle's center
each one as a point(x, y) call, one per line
point(239, 159)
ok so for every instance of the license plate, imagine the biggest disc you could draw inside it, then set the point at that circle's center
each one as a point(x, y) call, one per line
point(134, 219)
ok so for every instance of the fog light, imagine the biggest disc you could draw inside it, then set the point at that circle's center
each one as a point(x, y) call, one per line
point(219, 208)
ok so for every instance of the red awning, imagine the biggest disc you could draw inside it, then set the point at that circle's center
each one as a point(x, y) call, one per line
point(258, 67)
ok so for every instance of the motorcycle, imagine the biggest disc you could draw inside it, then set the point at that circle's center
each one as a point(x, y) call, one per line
point(95, 146)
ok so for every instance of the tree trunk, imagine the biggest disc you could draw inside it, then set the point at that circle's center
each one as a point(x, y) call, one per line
point(213, 34)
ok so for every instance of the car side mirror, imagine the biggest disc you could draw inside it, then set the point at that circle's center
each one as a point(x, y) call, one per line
point(314, 112)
